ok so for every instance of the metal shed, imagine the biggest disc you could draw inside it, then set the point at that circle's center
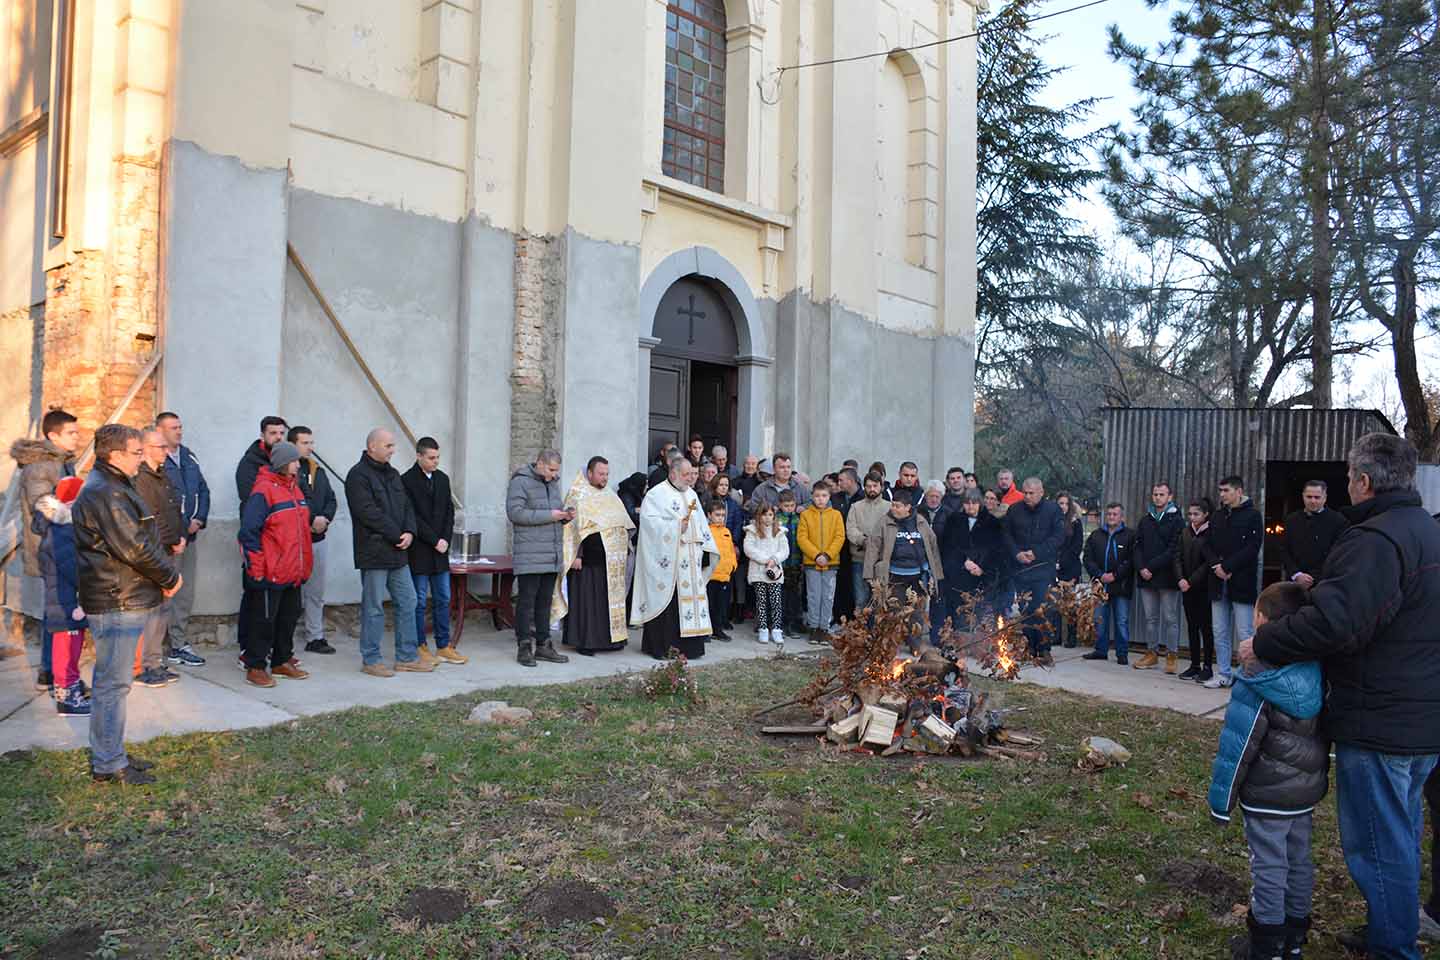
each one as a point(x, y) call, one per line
point(1274, 451)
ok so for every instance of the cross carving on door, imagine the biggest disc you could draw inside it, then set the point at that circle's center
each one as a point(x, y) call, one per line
point(692, 314)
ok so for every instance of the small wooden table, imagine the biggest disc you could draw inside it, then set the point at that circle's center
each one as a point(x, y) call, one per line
point(502, 582)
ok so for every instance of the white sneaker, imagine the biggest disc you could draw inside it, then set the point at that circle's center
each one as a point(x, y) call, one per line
point(762, 636)
point(1217, 682)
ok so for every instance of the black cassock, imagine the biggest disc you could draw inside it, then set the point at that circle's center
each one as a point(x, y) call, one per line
point(663, 632)
point(587, 625)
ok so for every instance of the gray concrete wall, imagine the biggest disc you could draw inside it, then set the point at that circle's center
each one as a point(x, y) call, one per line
point(224, 290)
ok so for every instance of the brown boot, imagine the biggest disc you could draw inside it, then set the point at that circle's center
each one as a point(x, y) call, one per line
point(426, 656)
point(289, 670)
point(258, 677)
point(450, 655)
point(1170, 664)
point(1147, 662)
point(415, 666)
point(377, 670)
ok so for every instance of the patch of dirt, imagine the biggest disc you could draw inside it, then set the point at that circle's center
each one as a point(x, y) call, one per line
point(569, 901)
point(18, 756)
point(1218, 889)
point(434, 905)
point(75, 942)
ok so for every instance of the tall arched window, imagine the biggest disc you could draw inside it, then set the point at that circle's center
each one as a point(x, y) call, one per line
point(694, 149)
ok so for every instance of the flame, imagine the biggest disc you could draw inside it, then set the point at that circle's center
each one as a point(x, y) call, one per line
point(898, 670)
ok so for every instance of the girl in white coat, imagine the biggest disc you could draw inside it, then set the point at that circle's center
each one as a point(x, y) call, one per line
point(766, 546)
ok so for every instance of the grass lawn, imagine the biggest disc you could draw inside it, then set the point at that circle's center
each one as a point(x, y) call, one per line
point(691, 835)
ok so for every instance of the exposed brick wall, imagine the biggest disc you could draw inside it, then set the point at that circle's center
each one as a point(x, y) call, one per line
point(539, 300)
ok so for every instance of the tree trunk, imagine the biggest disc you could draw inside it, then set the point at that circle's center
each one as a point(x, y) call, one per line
point(1322, 268)
point(1419, 428)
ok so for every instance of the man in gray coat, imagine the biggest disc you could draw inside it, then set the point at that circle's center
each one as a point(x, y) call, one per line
point(535, 505)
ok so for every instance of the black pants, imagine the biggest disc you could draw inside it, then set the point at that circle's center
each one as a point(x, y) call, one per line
point(270, 619)
point(242, 620)
point(795, 599)
point(719, 596)
point(532, 610)
point(844, 588)
point(1432, 800)
point(1197, 623)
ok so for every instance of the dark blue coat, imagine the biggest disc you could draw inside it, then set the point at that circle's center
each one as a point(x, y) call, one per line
point(192, 493)
point(60, 571)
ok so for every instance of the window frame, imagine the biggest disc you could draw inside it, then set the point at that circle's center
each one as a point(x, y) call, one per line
point(712, 144)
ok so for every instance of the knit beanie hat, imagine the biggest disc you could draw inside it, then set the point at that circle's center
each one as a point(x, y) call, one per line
point(283, 453)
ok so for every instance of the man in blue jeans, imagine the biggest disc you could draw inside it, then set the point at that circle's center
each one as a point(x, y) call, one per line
point(1370, 621)
point(383, 525)
point(125, 574)
point(1110, 562)
point(429, 490)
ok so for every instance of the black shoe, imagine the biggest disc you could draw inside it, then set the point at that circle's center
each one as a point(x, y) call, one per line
point(525, 656)
point(318, 646)
point(550, 655)
point(44, 680)
point(143, 766)
point(1069, 644)
point(720, 635)
point(153, 678)
point(1095, 655)
point(1205, 675)
point(1122, 660)
point(1296, 929)
point(1356, 940)
point(585, 653)
point(185, 656)
point(131, 776)
point(1190, 674)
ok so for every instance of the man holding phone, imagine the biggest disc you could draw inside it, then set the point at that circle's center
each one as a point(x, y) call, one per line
point(535, 505)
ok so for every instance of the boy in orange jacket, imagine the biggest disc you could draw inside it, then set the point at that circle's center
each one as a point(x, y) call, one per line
point(821, 538)
point(717, 589)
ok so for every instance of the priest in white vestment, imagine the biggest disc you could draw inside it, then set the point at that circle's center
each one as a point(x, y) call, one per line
point(669, 598)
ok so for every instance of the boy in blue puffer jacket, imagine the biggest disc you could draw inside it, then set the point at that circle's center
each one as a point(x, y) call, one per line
point(1274, 764)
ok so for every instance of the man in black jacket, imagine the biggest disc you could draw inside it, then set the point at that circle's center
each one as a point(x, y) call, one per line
point(315, 484)
point(1309, 535)
point(383, 524)
point(429, 490)
point(1034, 530)
point(1370, 621)
point(1155, 543)
point(124, 574)
point(1236, 533)
point(154, 487)
point(1110, 561)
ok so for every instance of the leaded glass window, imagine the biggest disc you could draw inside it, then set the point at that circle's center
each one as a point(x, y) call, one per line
point(694, 148)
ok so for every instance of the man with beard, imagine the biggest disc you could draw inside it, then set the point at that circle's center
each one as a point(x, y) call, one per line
point(862, 522)
point(670, 600)
point(595, 549)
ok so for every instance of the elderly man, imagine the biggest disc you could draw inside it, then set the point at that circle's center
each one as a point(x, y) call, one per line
point(1309, 535)
point(124, 574)
point(537, 510)
point(383, 527)
point(1371, 623)
point(596, 554)
point(749, 478)
point(1034, 530)
point(720, 456)
point(670, 600)
point(153, 485)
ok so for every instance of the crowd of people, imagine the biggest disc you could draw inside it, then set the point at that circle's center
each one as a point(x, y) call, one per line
point(1340, 651)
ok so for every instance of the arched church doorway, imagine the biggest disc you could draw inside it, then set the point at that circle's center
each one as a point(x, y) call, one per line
point(693, 372)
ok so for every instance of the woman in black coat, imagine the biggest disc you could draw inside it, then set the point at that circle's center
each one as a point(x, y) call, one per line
point(1192, 571)
point(972, 553)
point(1067, 561)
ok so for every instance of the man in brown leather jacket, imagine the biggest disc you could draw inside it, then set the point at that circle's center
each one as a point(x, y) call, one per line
point(124, 574)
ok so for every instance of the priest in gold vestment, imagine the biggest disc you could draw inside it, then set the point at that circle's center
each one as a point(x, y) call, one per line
point(595, 550)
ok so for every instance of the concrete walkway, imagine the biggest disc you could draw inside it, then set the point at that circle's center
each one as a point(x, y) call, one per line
point(216, 697)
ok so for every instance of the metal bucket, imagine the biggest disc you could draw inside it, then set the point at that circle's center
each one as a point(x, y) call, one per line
point(465, 547)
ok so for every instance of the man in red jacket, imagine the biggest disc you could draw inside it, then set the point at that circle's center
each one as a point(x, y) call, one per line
point(275, 540)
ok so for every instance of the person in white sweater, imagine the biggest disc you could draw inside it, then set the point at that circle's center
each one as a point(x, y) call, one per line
point(766, 547)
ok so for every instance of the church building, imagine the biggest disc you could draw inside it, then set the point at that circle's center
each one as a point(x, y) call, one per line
point(508, 224)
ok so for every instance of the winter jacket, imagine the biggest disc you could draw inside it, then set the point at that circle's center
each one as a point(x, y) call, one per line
point(1112, 551)
point(760, 550)
point(192, 493)
point(154, 488)
point(1012, 496)
point(1040, 529)
point(790, 524)
point(769, 492)
point(59, 567)
point(256, 455)
point(315, 484)
point(821, 531)
point(538, 537)
point(879, 548)
point(1371, 622)
point(984, 544)
point(726, 562)
point(41, 464)
point(1272, 760)
point(1156, 541)
point(275, 533)
point(380, 514)
point(746, 484)
point(1235, 540)
point(434, 520)
point(1308, 539)
point(864, 521)
point(121, 562)
point(1192, 557)
point(1067, 564)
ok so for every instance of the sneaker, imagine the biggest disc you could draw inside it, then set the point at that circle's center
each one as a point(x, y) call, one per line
point(762, 635)
point(1204, 675)
point(415, 666)
point(185, 656)
point(131, 776)
point(1147, 662)
point(319, 646)
point(44, 681)
point(1217, 682)
point(1094, 655)
point(451, 655)
point(289, 671)
point(153, 677)
point(1190, 674)
point(377, 670)
point(255, 676)
point(170, 675)
point(72, 703)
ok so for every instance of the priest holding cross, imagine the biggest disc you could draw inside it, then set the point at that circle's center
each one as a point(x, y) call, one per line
point(669, 598)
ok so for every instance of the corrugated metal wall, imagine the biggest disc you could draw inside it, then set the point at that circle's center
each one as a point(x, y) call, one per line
point(1193, 448)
